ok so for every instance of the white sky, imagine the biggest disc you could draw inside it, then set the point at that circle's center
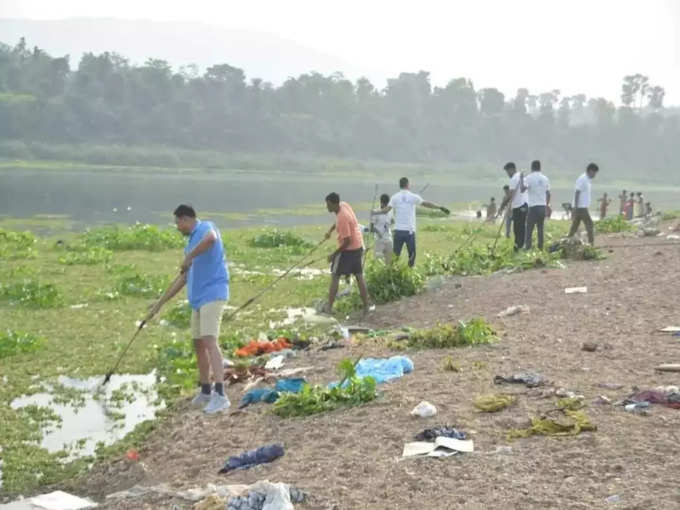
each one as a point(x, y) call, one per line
point(573, 45)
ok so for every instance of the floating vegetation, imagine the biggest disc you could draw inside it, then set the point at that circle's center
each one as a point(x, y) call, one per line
point(494, 402)
point(19, 342)
point(476, 331)
point(273, 238)
point(31, 293)
point(319, 399)
point(141, 285)
point(89, 257)
point(16, 245)
point(136, 237)
point(613, 224)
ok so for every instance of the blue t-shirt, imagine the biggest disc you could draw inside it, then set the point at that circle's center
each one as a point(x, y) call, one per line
point(208, 278)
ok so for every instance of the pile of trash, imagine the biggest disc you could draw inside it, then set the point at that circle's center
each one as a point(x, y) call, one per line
point(441, 441)
point(573, 249)
point(640, 401)
point(258, 347)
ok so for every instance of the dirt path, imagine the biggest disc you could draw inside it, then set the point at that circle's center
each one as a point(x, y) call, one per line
point(348, 459)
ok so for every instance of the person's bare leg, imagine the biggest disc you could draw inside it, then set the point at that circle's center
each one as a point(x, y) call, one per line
point(332, 292)
point(363, 291)
point(212, 349)
point(203, 361)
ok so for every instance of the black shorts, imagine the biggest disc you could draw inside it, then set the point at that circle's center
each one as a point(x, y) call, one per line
point(348, 262)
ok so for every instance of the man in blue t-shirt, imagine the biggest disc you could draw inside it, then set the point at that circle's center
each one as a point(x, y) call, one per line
point(205, 274)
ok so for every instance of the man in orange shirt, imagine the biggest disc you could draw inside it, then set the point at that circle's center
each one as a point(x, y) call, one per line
point(346, 260)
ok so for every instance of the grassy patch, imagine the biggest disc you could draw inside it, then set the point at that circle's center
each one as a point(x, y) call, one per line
point(19, 342)
point(179, 315)
point(273, 238)
point(88, 257)
point(613, 224)
point(16, 245)
point(473, 332)
point(319, 399)
point(136, 237)
point(31, 294)
point(147, 286)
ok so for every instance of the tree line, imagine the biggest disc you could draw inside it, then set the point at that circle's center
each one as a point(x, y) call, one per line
point(108, 100)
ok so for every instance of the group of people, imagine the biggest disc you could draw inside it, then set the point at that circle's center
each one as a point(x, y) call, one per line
point(205, 273)
point(526, 201)
point(633, 205)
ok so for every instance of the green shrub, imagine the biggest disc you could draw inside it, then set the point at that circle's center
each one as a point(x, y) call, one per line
point(31, 294)
point(319, 399)
point(670, 215)
point(179, 315)
point(430, 213)
point(141, 285)
point(273, 238)
point(136, 237)
point(613, 224)
point(91, 256)
point(16, 342)
point(389, 282)
point(473, 332)
point(16, 245)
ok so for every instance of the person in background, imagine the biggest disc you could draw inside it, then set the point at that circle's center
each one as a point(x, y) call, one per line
point(604, 203)
point(518, 203)
point(641, 204)
point(582, 197)
point(538, 194)
point(347, 259)
point(381, 224)
point(404, 203)
point(648, 209)
point(505, 203)
point(491, 210)
point(623, 198)
point(628, 210)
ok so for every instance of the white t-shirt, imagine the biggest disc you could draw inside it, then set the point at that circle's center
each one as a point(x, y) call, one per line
point(583, 186)
point(537, 185)
point(520, 197)
point(404, 204)
point(382, 225)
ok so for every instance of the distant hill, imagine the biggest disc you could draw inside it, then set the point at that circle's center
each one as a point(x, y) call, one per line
point(259, 54)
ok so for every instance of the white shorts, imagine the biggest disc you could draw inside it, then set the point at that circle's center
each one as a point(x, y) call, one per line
point(207, 319)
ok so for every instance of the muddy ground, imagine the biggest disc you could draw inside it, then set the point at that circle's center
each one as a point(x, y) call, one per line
point(349, 458)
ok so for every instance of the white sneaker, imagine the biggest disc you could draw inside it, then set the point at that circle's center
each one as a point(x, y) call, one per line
point(217, 404)
point(200, 399)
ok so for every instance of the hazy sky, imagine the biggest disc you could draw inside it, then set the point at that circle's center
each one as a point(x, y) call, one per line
point(573, 45)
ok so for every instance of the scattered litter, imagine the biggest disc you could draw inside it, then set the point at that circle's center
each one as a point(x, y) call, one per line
point(257, 347)
point(530, 380)
point(382, 370)
point(614, 498)
point(565, 393)
point(589, 346)
point(669, 367)
point(441, 447)
point(236, 374)
point(638, 407)
point(444, 431)
point(602, 400)
point(212, 502)
point(332, 344)
point(513, 310)
point(287, 372)
point(274, 363)
point(290, 385)
point(264, 495)
point(568, 423)
point(132, 455)
point(494, 402)
point(576, 290)
point(424, 410)
point(246, 460)
point(673, 237)
point(670, 329)
point(163, 323)
point(610, 386)
point(668, 399)
point(258, 395)
point(78, 306)
point(59, 500)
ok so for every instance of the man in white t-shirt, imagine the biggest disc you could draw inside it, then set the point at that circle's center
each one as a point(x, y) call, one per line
point(381, 225)
point(538, 193)
point(582, 194)
point(518, 203)
point(404, 204)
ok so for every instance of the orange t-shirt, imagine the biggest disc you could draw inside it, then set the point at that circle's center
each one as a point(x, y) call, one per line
point(347, 226)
